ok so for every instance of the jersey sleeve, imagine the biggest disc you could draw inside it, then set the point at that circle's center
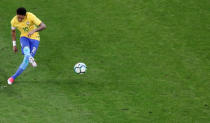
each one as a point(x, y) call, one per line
point(13, 27)
point(35, 19)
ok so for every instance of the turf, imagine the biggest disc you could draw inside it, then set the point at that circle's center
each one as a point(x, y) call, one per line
point(148, 61)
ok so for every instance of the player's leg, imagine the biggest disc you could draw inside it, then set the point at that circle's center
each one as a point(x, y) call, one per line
point(34, 44)
point(26, 51)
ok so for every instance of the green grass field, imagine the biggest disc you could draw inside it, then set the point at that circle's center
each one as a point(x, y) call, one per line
point(148, 61)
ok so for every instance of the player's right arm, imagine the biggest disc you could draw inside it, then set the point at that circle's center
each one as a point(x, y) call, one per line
point(13, 34)
point(14, 41)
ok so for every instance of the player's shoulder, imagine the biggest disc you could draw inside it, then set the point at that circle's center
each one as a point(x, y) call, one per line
point(14, 19)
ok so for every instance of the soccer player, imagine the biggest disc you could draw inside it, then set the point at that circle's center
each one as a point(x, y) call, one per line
point(29, 26)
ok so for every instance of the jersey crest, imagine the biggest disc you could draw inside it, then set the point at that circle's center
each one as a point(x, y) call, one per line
point(27, 23)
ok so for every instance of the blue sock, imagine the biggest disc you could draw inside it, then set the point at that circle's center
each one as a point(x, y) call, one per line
point(19, 71)
point(24, 64)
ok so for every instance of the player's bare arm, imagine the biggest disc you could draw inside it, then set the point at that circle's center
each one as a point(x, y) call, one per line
point(42, 26)
point(14, 40)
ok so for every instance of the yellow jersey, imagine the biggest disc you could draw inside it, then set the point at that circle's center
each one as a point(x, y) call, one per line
point(29, 23)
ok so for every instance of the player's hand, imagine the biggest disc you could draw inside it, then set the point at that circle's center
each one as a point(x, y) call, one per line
point(15, 49)
point(31, 33)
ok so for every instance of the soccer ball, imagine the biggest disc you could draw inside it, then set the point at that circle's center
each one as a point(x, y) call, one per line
point(80, 68)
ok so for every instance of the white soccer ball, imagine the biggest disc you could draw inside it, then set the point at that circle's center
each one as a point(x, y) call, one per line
point(80, 68)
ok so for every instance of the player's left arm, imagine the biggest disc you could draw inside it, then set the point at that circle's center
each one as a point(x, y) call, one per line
point(42, 26)
point(37, 22)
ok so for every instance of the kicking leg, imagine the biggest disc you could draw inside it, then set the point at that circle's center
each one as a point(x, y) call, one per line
point(23, 65)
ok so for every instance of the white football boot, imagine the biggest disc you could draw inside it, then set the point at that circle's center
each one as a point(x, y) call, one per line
point(32, 62)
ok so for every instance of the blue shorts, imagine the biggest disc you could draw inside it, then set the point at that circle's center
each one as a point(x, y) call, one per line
point(31, 43)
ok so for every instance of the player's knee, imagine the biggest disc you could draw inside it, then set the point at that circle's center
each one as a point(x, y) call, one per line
point(26, 50)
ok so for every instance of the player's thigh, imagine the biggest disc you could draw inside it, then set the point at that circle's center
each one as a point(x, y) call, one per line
point(34, 44)
point(24, 43)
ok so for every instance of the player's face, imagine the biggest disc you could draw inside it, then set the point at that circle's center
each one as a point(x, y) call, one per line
point(20, 17)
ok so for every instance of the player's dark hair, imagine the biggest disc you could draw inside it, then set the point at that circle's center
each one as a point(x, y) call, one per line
point(21, 11)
